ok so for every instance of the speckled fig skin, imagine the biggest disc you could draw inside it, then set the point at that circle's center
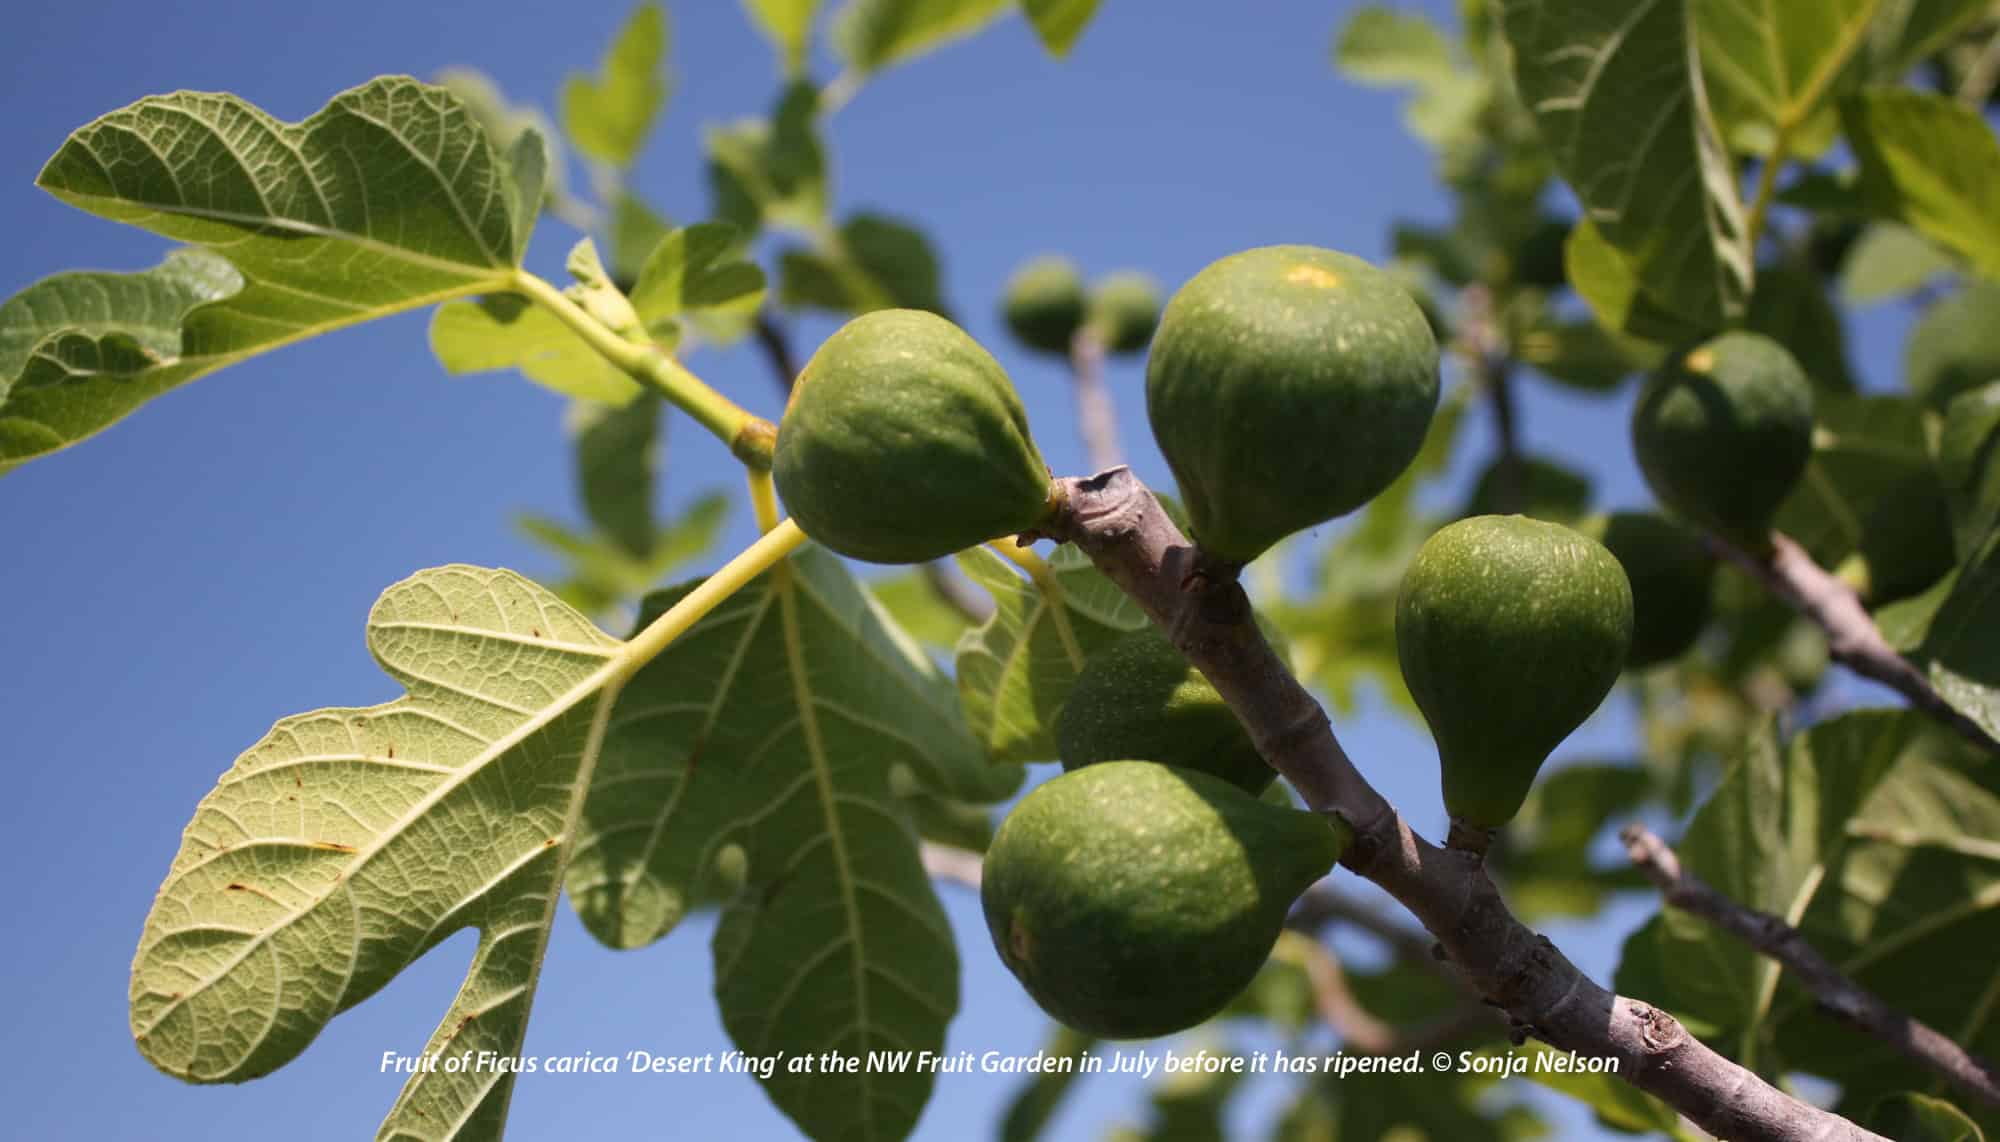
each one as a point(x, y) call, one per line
point(1139, 697)
point(904, 441)
point(1510, 632)
point(1287, 386)
point(1133, 900)
point(1124, 311)
point(1723, 433)
point(1043, 304)
point(1673, 582)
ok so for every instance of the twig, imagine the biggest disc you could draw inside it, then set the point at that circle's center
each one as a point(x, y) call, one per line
point(1782, 942)
point(1359, 1029)
point(1323, 904)
point(1125, 532)
point(1096, 419)
point(1852, 638)
point(949, 862)
point(777, 346)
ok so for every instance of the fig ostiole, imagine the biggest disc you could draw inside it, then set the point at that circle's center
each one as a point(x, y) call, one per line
point(1510, 632)
point(904, 441)
point(1138, 697)
point(1723, 432)
point(1133, 899)
point(1287, 386)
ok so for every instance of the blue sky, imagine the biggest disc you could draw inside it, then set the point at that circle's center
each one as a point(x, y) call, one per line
point(187, 577)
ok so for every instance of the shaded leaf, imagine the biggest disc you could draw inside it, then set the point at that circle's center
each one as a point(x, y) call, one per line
point(874, 262)
point(1582, 355)
point(1955, 346)
point(608, 115)
point(1933, 163)
point(617, 463)
point(1605, 279)
point(759, 758)
point(1614, 1102)
point(506, 124)
point(1907, 31)
point(917, 608)
point(1791, 308)
point(869, 35)
point(634, 231)
point(348, 842)
point(1889, 261)
point(1622, 108)
point(1059, 22)
point(602, 576)
point(1016, 670)
point(771, 172)
point(1387, 46)
point(1959, 649)
point(1913, 1117)
point(1036, 1102)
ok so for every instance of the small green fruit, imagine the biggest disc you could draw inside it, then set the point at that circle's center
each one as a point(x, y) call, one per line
point(1723, 432)
point(1532, 486)
point(1673, 581)
point(1132, 899)
point(1287, 386)
point(1124, 311)
point(904, 442)
point(1510, 632)
point(1139, 697)
point(1044, 304)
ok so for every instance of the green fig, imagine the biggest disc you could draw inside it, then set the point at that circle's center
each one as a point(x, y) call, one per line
point(1955, 348)
point(1510, 632)
point(1138, 697)
point(1673, 581)
point(1132, 899)
point(1124, 310)
point(1287, 386)
point(1044, 304)
point(904, 442)
point(1723, 432)
point(1533, 486)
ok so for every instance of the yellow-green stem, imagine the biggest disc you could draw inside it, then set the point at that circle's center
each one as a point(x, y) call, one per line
point(736, 574)
point(764, 499)
point(1025, 558)
point(750, 437)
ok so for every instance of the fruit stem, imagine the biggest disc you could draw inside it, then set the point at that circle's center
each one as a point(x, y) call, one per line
point(1469, 838)
point(763, 498)
point(750, 438)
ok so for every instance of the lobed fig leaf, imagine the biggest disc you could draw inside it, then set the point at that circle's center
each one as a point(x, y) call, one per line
point(1134, 899)
point(1139, 697)
point(1287, 386)
point(1044, 304)
point(904, 441)
point(1723, 433)
point(1510, 631)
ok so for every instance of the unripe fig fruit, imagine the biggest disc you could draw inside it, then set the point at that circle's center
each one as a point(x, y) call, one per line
point(904, 442)
point(1124, 310)
point(1673, 581)
point(1723, 432)
point(1287, 386)
point(1510, 632)
point(1132, 899)
point(1044, 304)
point(1138, 697)
point(1532, 486)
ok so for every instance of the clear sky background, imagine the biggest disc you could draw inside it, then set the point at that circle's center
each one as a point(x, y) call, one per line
point(176, 584)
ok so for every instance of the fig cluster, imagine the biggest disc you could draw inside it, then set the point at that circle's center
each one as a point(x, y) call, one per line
point(1046, 305)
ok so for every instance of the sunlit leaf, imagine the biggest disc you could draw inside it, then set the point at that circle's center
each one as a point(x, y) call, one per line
point(788, 25)
point(771, 172)
point(1770, 64)
point(1622, 108)
point(869, 35)
point(1933, 163)
point(1889, 261)
point(1059, 22)
point(348, 842)
point(608, 115)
